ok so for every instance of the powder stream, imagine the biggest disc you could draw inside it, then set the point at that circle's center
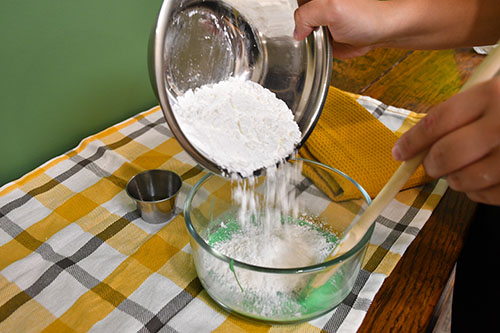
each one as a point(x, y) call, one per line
point(238, 124)
point(243, 127)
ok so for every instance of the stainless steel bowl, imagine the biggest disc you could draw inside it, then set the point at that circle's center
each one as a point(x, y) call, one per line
point(196, 42)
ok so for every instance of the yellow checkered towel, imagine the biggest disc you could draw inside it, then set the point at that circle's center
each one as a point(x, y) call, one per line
point(76, 256)
point(351, 139)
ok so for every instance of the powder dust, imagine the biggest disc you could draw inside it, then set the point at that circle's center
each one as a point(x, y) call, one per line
point(238, 124)
point(243, 127)
point(271, 232)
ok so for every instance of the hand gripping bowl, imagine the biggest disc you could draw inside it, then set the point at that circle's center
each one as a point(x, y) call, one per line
point(277, 295)
point(198, 42)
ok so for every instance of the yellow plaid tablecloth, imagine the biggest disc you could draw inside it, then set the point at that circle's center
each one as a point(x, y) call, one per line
point(76, 256)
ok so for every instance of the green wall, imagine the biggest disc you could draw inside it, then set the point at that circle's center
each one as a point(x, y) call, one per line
point(68, 69)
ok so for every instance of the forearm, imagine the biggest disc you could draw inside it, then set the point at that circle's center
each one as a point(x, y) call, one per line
point(438, 24)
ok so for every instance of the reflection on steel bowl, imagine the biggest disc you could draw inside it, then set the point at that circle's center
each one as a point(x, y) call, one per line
point(200, 42)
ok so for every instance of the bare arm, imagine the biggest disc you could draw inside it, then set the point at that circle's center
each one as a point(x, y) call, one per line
point(462, 134)
point(438, 24)
point(358, 26)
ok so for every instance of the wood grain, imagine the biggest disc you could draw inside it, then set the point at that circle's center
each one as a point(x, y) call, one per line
point(416, 80)
point(420, 81)
point(357, 74)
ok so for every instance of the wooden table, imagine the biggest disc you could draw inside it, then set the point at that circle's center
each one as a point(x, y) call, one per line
point(415, 80)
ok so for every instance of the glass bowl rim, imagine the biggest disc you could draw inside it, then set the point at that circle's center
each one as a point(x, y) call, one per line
point(294, 270)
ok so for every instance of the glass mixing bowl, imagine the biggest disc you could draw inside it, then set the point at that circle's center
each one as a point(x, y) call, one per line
point(277, 294)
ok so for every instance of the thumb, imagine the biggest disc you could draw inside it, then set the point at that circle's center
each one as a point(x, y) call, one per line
point(310, 15)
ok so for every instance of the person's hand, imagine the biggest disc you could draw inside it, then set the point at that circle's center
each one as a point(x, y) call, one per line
point(358, 26)
point(462, 136)
point(355, 25)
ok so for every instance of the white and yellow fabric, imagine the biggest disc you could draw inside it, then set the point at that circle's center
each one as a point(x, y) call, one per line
point(76, 256)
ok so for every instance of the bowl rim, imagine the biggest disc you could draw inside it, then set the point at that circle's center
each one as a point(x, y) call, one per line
point(306, 269)
point(153, 171)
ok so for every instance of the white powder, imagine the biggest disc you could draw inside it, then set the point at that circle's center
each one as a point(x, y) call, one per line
point(238, 124)
point(265, 295)
point(284, 246)
point(277, 200)
point(243, 127)
point(280, 246)
point(273, 232)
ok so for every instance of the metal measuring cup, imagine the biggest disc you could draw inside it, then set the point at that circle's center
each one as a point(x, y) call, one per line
point(155, 192)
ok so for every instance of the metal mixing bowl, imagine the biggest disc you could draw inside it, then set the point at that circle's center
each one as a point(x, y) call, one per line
point(198, 42)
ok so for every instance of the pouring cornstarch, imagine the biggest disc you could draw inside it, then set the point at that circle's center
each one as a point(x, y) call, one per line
point(238, 124)
point(244, 127)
